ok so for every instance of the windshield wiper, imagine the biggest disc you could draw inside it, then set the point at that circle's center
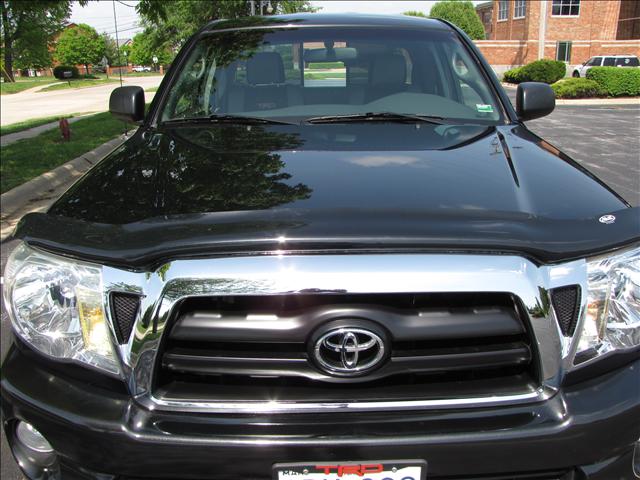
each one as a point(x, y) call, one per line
point(227, 118)
point(378, 117)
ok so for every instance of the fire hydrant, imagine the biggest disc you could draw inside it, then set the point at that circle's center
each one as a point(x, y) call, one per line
point(64, 129)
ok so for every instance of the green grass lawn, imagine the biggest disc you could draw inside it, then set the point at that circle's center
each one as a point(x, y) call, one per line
point(80, 83)
point(151, 89)
point(24, 83)
point(27, 124)
point(325, 65)
point(323, 75)
point(26, 159)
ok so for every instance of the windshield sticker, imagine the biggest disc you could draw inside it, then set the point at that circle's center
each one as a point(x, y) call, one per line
point(484, 108)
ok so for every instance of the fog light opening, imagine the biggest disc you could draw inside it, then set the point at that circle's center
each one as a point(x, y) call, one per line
point(32, 439)
point(33, 452)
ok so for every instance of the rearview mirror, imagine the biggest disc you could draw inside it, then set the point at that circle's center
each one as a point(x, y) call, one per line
point(534, 100)
point(127, 104)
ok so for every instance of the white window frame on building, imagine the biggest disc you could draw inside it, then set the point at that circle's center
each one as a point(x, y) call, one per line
point(519, 9)
point(503, 10)
point(567, 50)
point(565, 8)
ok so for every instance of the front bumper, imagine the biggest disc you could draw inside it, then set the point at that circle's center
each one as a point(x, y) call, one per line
point(587, 430)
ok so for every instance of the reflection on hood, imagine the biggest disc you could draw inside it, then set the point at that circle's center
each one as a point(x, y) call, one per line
point(197, 169)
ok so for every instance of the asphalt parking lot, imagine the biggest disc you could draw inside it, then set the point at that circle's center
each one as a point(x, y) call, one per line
point(604, 139)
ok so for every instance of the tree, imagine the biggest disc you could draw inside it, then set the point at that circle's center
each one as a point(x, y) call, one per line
point(111, 51)
point(460, 13)
point(415, 13)
point(27, 29)
point(80, 45)
point(177, 20)
point(30, 51)
point(143, 49)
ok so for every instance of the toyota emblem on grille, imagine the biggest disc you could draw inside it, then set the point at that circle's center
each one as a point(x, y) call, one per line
point(349, 351)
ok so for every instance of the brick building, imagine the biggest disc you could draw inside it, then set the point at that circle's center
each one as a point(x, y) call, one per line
point(485, 12)
point(522, 31)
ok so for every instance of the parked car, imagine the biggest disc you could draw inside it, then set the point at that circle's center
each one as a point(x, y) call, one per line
point(388, 277)
point(606, 61)
point(140, 68)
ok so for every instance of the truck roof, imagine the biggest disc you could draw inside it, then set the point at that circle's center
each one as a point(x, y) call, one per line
point(328, 19)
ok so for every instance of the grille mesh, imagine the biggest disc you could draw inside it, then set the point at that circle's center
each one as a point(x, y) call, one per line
point(566, 304)
point(125, 309)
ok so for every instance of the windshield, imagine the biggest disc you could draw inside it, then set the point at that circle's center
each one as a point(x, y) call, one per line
point(298, 74)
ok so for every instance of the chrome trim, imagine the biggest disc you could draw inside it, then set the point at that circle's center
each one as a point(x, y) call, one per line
point(165, 287)
point(539, 395)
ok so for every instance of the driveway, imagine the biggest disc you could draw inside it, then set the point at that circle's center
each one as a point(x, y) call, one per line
point(604, 139)
point(35, 104)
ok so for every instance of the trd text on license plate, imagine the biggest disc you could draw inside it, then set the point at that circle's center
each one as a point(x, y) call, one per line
point(405, 470)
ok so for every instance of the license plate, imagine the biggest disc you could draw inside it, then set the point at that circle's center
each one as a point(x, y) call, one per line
point(376, 470)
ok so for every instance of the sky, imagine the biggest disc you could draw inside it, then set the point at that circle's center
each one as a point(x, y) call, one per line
point(100, 14)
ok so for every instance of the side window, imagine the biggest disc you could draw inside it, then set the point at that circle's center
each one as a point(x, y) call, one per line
point(594, 62)
point(609, 62)
point(472, 91)
point(190, 90)
point(290, 54)
point(408, 63)
point(626, 62)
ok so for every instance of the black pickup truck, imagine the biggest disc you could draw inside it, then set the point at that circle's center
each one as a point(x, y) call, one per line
point(331, 250)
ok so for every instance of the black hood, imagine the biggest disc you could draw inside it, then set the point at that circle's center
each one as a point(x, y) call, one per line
point(334, 186)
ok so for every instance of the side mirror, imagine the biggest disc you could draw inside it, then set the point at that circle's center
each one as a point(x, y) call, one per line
point(127, 104)
point(534, 100)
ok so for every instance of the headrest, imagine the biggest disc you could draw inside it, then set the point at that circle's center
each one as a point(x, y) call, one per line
point(388, 69)
point(265, 68)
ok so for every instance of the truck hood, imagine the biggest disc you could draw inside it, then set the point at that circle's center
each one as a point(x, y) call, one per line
point(194, 189)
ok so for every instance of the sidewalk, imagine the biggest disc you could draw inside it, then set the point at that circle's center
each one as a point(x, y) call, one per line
point(39, 193)
point(35, 131)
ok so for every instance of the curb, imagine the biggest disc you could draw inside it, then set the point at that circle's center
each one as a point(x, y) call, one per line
point(15, 200)
point(599, 101)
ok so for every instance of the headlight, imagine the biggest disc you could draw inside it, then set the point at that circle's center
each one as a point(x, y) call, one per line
point(612, 319)
point(56, 306)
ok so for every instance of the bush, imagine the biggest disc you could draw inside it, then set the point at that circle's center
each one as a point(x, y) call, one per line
point(547, 71)
point(58, 72)
point(513, 76)
point(616, 81)
point(577, 88)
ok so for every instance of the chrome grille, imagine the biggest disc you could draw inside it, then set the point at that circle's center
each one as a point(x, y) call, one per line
point(256, 348)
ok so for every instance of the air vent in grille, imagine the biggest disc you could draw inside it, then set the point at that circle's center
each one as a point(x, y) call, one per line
point(256, 348)
point(124, 307)
point(566, 303)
